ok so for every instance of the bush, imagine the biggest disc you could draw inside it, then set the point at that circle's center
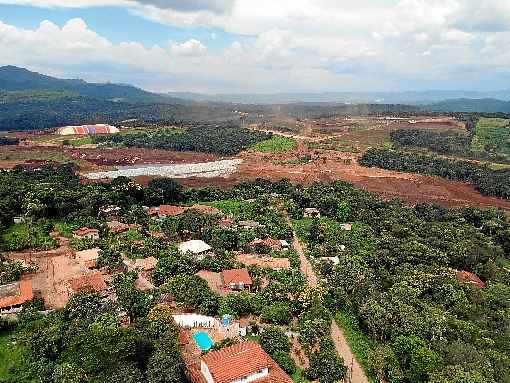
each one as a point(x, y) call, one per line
point(274, 340)
point(285, 361)
point(278, 313)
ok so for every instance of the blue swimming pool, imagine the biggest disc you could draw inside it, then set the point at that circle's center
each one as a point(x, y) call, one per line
point(203, 341)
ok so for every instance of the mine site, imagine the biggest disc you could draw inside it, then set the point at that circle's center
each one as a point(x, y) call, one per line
point(324, 149)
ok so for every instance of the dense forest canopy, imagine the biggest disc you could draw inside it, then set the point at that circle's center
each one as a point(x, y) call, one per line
point(222, 140)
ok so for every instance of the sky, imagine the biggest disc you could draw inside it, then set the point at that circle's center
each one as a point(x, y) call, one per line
point(264, 46)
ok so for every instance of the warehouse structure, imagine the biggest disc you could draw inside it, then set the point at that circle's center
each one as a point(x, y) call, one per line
point(87, 129)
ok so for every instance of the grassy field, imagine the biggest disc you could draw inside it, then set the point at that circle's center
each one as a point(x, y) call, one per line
point(236, 209)
point(28, 155)
point(276, 144)
point(492, 135)
point(23, 236)
point(81, 141)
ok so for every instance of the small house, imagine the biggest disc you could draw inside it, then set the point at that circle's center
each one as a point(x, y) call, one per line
point(346, 226)
point(236, 280)
point(242, 362)
point(86, 233)
point(116, 227)
point(311, 212)
point(197, 247)
point(14, 295)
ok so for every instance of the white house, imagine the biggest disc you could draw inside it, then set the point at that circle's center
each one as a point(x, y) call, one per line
point(197, 247)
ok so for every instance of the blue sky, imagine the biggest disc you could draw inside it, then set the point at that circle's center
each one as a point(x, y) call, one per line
point(231, 46)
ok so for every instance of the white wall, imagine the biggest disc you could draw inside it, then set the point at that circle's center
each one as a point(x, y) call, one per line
point(195, 320)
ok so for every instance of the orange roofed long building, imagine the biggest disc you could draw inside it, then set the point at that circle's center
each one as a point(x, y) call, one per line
point(244, 362)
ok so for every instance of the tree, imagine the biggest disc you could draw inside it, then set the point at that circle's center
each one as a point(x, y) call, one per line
point(325, 364)
point(285, 361)
point(165, 367)
point(163, 190)
point(415, 358)
point(277, 313)
point(135, 302)
point(274, 340)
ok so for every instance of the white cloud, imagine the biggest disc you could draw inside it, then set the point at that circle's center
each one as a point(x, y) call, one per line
point(293, 44)
point(189, 48)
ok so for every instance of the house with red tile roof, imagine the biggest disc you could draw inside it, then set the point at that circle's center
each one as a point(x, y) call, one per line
point(14, 295)
point(236, 280)
point(86, 233)
point(244, 362)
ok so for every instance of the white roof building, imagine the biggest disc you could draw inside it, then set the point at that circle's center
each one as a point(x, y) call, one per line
point(195, 246)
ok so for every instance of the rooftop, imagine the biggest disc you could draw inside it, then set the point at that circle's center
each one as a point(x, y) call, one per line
point(195, 246)
point(236, 276)
point(14, 294)
point(240, 360)
point(470, 279)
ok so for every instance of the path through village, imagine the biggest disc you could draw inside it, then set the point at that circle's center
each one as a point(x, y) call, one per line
point(355, 373)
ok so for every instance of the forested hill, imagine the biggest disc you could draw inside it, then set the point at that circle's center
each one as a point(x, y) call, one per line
point(467, 105)
point(20, 79)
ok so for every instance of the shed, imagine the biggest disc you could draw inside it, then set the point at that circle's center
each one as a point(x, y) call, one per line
point(196, 246)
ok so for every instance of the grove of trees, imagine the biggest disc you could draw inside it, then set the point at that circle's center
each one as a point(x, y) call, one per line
point(486, 180)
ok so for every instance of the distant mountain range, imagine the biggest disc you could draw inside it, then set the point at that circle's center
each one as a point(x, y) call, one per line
point(21, 86)
point(13, 78)
point(467, 105)
point(409, 98)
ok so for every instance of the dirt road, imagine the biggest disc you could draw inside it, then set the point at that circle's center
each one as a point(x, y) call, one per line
point(354, 370)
